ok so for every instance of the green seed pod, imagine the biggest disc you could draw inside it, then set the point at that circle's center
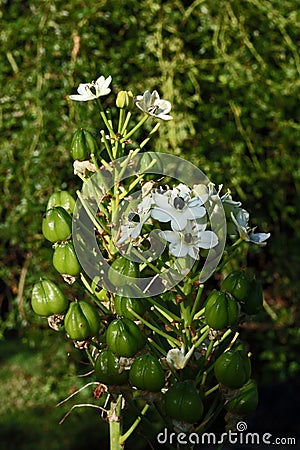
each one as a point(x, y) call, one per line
point(82, 321)
point(124, 304)
point(108, 370)
point(146, 373)
point(47, 299)
point(236, 284)
point(183, 403)
point(57, 224)
point(124, 338)
point(233, 368)
point(63, 199)
point(121, 267)
point(245, 401)
point(221, 310)
point(65, 260)
point(83, 144)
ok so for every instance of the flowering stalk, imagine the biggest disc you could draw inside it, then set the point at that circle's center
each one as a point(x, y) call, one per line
point(115, 424)
point(156, 240)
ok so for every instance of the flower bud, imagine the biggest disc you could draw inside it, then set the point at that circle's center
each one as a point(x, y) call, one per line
point(124, 99)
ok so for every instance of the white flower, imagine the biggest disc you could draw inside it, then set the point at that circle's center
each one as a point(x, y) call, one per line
point(90, 91)
point(133, 227)
point(202, 191)
point(82, 166)
point(230, 206)
point(152, 105)
point(171, 206)
point(259, 238)
point(190, 240)
point(241, 220)
point(176, 358)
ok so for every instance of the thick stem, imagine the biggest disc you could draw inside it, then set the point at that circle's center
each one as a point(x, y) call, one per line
point(115, 426)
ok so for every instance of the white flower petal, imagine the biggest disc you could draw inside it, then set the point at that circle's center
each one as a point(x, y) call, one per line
point(184, 191)
point(102, 85)
point(193, 252)
point(90, 91)
point(169, 236)
point(162, 116)
point(152, 105)
point(145, 204)
point(243, 217)
point(160, 215)
point(202, 192)
point(178, 222)
point(178, 249)
point(164, 106)
point(195, 213)
point(207, 239)
point(153, 98)
point(259, 238)
point(161, 200)
point(81, 98)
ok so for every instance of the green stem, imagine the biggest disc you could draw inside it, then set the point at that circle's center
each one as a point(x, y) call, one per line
point(155, 329)
point(121, 120)
point(90, 356)
point(225, 335)
point(145, 141)
point(134, 129)
point(197, 300)
point(205, 334)
point(199, 313)
point(136, 181)
point(105, 120)
point(94, 160)
point(209, 349)
point(126, 122)
point(185, 312)
point(157, 347)
point(168, 314)
point(134, 425)
point(115, 429)
point(163, 318)
point(210, 391)
point(108, 149)
point(99, 227)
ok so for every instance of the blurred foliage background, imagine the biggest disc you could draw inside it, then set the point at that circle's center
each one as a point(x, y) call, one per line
point(231, 70)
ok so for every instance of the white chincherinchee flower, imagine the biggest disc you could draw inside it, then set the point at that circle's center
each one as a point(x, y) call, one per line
point(177, 359)
point(153, 105)
point(189, 240)
point(247, 234)
point(177, 206)
point(90, 91)
point(238, 222)
point(136, 220)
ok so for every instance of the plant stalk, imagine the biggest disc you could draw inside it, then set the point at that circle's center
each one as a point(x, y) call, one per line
point(115, 426)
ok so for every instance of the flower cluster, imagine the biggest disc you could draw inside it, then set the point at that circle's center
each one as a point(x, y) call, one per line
point(180, 206)
point(149, 103)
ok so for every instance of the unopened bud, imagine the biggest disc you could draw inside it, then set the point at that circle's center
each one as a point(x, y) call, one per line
point(124, 99)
